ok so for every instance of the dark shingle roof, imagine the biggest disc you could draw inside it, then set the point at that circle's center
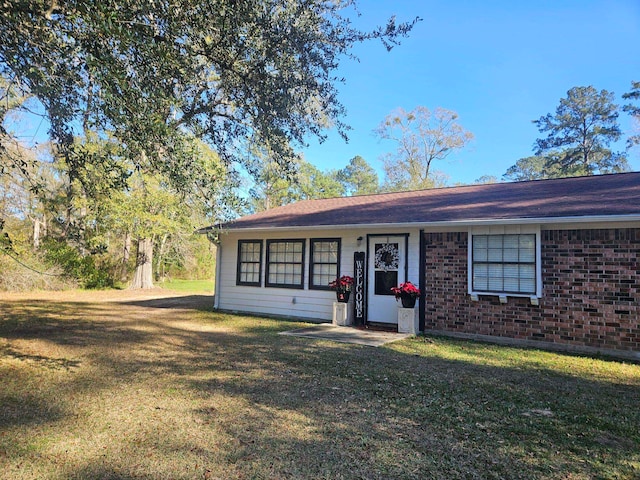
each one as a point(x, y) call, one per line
point(594, 196)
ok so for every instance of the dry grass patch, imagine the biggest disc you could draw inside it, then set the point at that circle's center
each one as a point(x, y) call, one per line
point(120, 385)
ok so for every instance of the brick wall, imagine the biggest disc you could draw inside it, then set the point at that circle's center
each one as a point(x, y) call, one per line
point(591, 291)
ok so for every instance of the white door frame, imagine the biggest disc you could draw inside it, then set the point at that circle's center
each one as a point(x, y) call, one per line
point(403, 268)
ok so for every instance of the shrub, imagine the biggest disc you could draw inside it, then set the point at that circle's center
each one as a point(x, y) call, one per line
point(34, 275)
point(91, 271)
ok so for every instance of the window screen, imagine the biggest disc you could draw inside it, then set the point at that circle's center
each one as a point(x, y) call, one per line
point(504, 263)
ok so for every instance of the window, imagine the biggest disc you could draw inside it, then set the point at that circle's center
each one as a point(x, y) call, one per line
point(325, 262)
point(504, 264)
point(249, 262)
point(386, 267)
point(285, 263)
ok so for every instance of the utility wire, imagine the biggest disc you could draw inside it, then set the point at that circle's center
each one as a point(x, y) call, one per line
point(30, 268)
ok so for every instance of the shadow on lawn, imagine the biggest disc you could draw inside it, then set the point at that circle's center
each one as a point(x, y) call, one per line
point(377, 414)
point(100, 470)
point(286, 407)
point(191, 302)
point(47, 362)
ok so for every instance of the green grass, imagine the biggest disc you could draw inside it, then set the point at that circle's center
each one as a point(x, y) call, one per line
point(188, 285)
point(131, 389)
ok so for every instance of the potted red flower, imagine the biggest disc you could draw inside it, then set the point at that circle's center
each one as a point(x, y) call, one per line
point(407, 293)
point(342, 286)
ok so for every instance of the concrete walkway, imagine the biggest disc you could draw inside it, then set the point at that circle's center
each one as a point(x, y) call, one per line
point(358, 336)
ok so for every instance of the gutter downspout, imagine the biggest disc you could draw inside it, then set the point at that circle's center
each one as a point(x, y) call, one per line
point(218, 279)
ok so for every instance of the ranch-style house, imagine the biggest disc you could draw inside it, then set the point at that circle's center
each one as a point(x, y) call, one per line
point(550, 263)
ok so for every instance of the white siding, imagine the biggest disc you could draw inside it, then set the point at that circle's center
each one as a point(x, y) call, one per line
point(299, 303)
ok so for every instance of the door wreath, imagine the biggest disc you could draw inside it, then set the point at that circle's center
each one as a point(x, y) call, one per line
point(387, 257)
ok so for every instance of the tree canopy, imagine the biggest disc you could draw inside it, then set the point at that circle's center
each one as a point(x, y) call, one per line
point(134, 90)
point(580, 132)
point(633, 94)
point(274, 187)
point(534, 168)
point(358, 177)
point(147, 73)
point(634, 111)
point(422, 136)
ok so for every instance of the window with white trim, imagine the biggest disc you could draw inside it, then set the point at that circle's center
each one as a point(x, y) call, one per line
point(285, 263)
point(324, 266)
point(249, 270)
point(504, 264)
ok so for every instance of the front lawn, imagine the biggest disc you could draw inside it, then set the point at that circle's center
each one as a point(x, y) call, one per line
point(187, 285)
point(107, 385)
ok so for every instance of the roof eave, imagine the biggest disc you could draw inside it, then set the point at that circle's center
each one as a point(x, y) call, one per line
point(446, 224)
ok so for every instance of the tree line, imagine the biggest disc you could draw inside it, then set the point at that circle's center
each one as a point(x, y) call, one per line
point(576, 141)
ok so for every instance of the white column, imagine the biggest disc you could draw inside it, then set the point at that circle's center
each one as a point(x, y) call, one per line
point(341, 315)
point(408, 321)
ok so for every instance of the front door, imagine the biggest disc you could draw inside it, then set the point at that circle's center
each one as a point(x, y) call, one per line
point(386, 269)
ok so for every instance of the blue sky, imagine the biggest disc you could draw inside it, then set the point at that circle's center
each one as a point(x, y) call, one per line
point(499, 64)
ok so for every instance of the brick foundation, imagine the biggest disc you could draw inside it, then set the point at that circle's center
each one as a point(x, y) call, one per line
point(590, 295)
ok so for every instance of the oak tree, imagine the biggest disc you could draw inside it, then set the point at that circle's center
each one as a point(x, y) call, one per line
point(146, 72)
point(154, 76)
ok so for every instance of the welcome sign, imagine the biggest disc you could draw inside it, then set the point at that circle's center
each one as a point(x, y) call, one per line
point(358, 287)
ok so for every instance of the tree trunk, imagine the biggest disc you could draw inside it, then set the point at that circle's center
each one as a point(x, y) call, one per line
point(126, 253)
point(69, 209)
point(160, 258)
point(143, 276)
point(36, 234)
point(39, 230)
